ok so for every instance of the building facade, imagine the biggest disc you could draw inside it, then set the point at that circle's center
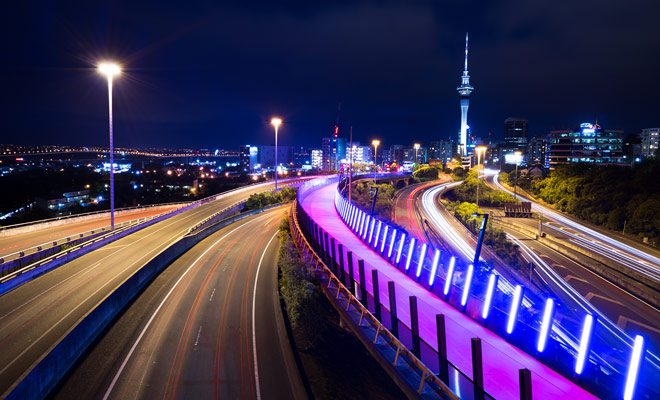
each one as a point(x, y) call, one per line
point(589, 143)
point(334, 150)
point(650, 141)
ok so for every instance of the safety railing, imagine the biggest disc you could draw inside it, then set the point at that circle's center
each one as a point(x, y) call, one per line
point(482, 294)
point(427, 378)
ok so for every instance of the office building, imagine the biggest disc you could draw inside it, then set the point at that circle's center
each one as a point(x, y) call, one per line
point(334, 150)
point(316, 158)
point(248, 157)
point(589, 143)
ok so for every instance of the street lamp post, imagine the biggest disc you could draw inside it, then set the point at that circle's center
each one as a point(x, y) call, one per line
point(416, 146)
point(276, 122)
point(375, 143)
point(515, 183)
point(479, 150)
point(110, 70)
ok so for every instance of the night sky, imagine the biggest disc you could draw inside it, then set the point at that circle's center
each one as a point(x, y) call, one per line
point(209, 74)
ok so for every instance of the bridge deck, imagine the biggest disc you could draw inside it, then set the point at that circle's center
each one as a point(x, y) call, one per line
point(501, 360)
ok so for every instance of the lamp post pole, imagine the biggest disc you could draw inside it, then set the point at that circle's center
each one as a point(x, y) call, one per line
point(110, 70)
point(276, 122)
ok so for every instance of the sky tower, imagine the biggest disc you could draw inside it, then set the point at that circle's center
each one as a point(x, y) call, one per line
point(464, 90)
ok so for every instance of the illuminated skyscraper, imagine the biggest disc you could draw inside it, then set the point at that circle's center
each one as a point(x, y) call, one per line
point(464, 90)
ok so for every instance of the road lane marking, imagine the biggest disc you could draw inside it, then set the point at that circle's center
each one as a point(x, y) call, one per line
point(199, 332)
point(254, 331)
point(162, 303)
point(212, 293)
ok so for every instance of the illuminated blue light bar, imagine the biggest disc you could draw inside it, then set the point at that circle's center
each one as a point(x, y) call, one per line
point(362, 225)
point(351, 217)
point(411, 246)
point(434, 267)
point(389, 251)
point(356, 223)
point(420, 262)
point(358, 228)
point(371, 230)
point(467, 285)
point(546, 324)
point(450, 276)
point(634, 367)
point(382, 245)
point(402, 240)
point(515, 306)
point(492, 284)
point(585, 338)
point(380, 225)
point(366, 227)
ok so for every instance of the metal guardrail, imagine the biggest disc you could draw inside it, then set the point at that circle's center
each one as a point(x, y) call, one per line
point(427, 376)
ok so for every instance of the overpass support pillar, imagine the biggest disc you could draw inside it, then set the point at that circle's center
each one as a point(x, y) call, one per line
point(393, 318)
point(333, 263)
point(341, 263)
point(477, 369)
point(414, 327)
point(363, 286)
point(525, 376)
point(351, 275)
point(443, 366)
point(374, 282)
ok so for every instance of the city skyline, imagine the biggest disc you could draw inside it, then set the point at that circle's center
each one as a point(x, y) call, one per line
point(404, 85)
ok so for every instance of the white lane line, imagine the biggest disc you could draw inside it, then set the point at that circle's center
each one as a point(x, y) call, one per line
point(212, 293)
point(199, 332)
point(254, 331)
point(144, 330)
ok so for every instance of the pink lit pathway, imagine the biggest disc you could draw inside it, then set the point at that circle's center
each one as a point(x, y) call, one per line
point(501, 360)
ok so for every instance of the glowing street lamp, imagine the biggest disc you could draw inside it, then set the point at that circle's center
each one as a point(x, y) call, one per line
point(276, 122)
point(375, 143)
point(110, 70)
point(479, 150)
point(416, 146)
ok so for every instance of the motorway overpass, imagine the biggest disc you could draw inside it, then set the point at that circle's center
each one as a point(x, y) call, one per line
point(208, 326)
point(37, 314)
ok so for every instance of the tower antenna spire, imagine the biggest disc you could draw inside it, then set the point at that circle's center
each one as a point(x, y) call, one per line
point(466, 53)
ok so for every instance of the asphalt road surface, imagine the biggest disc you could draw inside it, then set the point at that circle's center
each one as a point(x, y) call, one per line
point(209, 326)
point(15, 242)
point(35, 315)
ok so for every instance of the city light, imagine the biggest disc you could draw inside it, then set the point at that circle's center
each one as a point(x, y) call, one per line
point(434, 267)
point(634, 367)
point(276, 122)
point(546, 324)
point(411, 246)
point(420, 261)
point(492, 284)
point(402, 240)
point(380, 225)
point(389, 251)
point(450, 276)
point(467, 285)
point(513, 311)
point(109, 69)
point(382, 244)
point(371, 230)
point(585, 339)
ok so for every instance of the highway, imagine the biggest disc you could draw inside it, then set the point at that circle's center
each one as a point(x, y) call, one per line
point(35, 315)
point(579, 289)
point(209, 326)
point(11, 242)
point(620, 250)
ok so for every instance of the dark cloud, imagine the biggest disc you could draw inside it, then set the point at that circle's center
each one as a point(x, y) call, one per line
point(207, 74)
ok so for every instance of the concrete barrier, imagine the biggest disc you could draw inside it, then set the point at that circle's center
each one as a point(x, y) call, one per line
point(44, 374)
point(12, 283)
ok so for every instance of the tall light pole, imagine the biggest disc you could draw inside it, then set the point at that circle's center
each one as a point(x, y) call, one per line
point(479, 150)
point(276, 122)
point(515, 184)
point(375, 143)
point(416, 146)
point(110, 70)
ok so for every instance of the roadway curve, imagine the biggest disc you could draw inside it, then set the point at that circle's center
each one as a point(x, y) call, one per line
point(191, 333)
point(14, 242)
point(35, 315)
